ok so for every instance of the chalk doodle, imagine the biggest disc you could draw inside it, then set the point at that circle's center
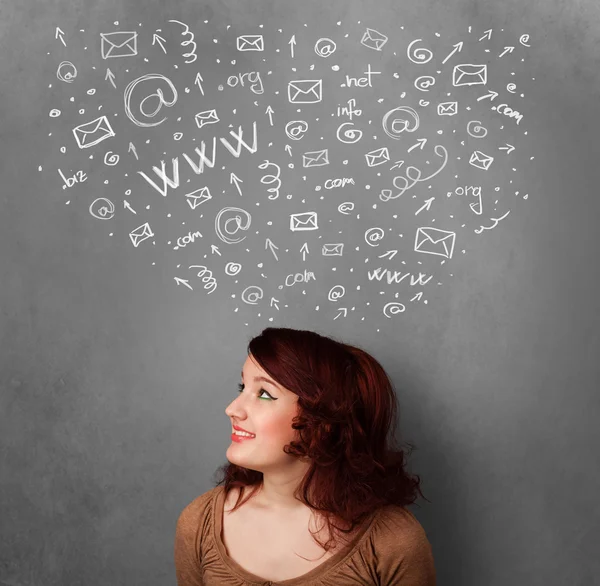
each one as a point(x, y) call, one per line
point(404, 180)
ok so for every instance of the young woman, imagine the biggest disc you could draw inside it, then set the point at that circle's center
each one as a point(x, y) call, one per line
point(326, 492)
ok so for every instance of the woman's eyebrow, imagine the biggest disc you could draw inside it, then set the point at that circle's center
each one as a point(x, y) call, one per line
point(262, 378)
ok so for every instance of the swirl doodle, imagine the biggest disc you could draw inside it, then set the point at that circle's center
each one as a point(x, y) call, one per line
point(187, 42)
point(424, 82)
point(400, 124)
point(236, 220)
point(102, 209)
point(419, 55)
point(69, 75)
point(351, 135)
point(111, 159)
point(475, 129)
point(268, 179)
point(511, 87)
point(296, 129)
point(252, 295)
point(372, 235)
point(233, 268)
point(393, 308)
point(210, 283)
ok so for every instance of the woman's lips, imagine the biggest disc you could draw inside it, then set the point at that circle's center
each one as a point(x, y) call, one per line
point(240, 438)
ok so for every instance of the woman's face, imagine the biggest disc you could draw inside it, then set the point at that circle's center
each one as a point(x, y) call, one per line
point(265, 409)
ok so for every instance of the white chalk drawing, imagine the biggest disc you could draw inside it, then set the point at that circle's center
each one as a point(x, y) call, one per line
point(373, 235)
point(192, 52)
point(400, 123)
point(336, 292)
point(349, 109)
point(315, 158)
point(250, 43)
point(346, 207)
point(157, 94)
point(339, 182)
point(524, 39)
point(325, 47)
point(189, 238)
point(118, 44)
point(157, 39)
point(336, 249)
point(198, 197)
point(252, 295)
point(362, 81)
point(102, 209)
point(511, 87)
point(111, 159)
point(206, 117)
point(233, 268)
point(420, 55)
point(430, 240)
point(495, 220)
point(447, 109)
point(475, 129)
point(350, 135)
point(232, 224)
point(296, 129)
point(141, 233)
point(91, 133)
point(66, 72)
point(210, 283)
point(469, 74)
point(54, 113)
point(424, 82)
point(393, 308)
point(481, 160)
point(508, 111)
point(269, 179)
point(305, 91)
point(303, 221)
point(253, 77)
point(373, 39)
point(423, 103)
point(377, 157)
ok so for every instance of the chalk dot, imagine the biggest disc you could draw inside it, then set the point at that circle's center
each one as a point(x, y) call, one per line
point(40, 168)
point(335, 67)
point(82, 111)
point(318, 188)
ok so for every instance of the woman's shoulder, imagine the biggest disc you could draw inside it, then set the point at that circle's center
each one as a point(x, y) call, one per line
point(398, 523)
point(198, 508)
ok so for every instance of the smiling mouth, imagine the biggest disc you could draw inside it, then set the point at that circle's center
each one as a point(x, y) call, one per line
point(243, 434)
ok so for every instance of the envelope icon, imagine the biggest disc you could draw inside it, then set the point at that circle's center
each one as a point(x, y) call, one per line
point(305, 91)
point(447, 108)
point(119, 44)
point(93, 132)
point(305, 221)
point(480, 160)
point(332, 249)
point(377, 157)
point(140, 234)
point(250, 43)
point(206, 117)
point(434, 241)
point(373, 39)
point(468, 74)
point(315, 158)
point(195, 198)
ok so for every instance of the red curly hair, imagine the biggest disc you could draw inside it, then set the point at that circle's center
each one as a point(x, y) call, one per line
point(347, 408)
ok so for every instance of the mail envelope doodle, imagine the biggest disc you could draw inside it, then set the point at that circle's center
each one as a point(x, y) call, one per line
point(305, 221)
point(91, 133)
point(315, 158)
point(481, 160)
point(140, 234)
point(250, 43)
point(377, 157)
point(447, 108)
point(198, 197)
point(333, 249)
point(206, 117)
point(468, 74)
point(434, 241)
point(118, 44)
point(373, 39)
point(305, 91)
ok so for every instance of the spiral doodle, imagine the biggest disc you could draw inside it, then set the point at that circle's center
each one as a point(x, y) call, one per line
point(111, 159)
point(187, 42)
point(475, 129)
point(424, 82)
point(372, 235)
point(233, 268)
point(325, 47)
point(336, 292)
point(400, 124)
point(419, 55)
point(511, 87)
point(69, 75)
point(386, 195)
point(210, 283)
point(296, 129)
point(351, 135)
point(393, 308)
point(268, 179)
point(252, 295)
point(102, 209)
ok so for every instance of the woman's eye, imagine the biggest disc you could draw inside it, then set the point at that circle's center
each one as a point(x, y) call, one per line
point(268, 397)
